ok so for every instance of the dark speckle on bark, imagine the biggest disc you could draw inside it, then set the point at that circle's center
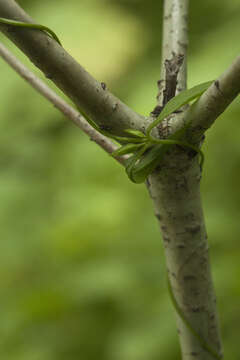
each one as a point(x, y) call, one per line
point(193, 229)
point(196, 309)
point(115, 106)
point(164, 228)
point(103, 85)
point(216, 83)
point(148, 183)
point(105, 127)
point(49, 76)
point(189, 277)
point(166, 238)
point(181, 246)
point(159, 217)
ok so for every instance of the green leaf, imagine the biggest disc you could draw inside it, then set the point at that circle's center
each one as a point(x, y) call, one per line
point(129, 163)
point(126, 149)
point(31, 26)
point(135, 133)
point(139, 169)
point(178, 101)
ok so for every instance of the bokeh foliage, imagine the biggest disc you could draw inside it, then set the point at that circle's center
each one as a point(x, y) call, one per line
point(82, 265)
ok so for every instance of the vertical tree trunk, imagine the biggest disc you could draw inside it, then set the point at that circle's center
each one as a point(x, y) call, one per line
point(175, 186)
point(175, 190)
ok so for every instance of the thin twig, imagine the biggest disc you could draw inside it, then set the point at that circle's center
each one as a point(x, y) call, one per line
point(58, 102)
point(88, 94)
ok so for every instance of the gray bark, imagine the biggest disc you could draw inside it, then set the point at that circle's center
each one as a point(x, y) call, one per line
point(175, 184)
point(175, 191)
point(87, 93)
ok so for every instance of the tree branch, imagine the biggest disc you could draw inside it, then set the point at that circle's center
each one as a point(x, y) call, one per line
point(174, 40)
point(213, 102)
point(87, 93)
point(180, 37)
point(174, 53)
point(58, 102)
point(175, 190)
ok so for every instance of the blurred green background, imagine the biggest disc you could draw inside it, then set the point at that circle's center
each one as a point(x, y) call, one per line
point(82, 265)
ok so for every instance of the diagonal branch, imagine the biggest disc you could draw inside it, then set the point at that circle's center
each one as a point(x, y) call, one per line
point(58, 102)
point(87, 93)
point(213, 102)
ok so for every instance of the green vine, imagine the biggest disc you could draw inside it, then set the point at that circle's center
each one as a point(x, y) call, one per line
point(146, 149)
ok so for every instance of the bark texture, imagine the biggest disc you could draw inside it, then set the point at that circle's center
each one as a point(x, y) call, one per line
point(214, 101)
point(175, 185)
point(175, 190)
point(87, 93)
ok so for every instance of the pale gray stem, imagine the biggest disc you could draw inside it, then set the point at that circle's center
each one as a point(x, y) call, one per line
point(180, 38)
point(58, 102)
point(174, 40)
point(167, 36)
point(175, 190)
point(91, 96)
point(213, 102)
